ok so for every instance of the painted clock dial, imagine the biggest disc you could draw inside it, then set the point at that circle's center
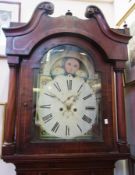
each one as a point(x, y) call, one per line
point(67, 107)
point(67, 104)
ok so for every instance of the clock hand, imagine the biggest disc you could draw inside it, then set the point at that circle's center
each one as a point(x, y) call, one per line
point(72, 98)
point(76, 96)
point(70, 102)
point(53, 95)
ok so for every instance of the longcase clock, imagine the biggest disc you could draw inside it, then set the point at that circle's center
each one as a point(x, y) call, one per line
point(65, 112)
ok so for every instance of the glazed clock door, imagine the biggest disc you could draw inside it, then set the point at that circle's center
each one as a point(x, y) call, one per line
point(67, 96)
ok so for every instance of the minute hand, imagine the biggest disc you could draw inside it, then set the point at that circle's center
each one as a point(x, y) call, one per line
point(54, 96)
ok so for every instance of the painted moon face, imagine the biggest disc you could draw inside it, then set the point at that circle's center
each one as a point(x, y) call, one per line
point(71, 66)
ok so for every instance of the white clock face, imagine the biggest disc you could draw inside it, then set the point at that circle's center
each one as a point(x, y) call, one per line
point(67, 107)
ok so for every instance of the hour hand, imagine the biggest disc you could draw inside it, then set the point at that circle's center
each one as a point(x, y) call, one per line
point(71, 99)
point(75, 97)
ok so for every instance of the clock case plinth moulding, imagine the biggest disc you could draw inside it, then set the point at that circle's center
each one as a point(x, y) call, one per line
point(26, 45)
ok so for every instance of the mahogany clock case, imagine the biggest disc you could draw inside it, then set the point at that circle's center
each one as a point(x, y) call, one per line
point(105, 50)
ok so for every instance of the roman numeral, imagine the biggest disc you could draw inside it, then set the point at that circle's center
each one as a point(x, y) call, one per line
point(57, 86)
point(67, 131)
point(80, 88)
point(79, 128)
point(89, 107)
point(86, 119)
point(45, 106)
point(55, 127)
point(88, 96)
point(47, 118)
point(69, 84)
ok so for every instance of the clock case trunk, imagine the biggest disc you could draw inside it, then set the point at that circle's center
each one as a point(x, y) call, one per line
point(26, 46)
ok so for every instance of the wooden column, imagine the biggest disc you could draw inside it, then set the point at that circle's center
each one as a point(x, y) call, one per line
point(121, 121)
point(9, 131)
point(120, 107)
